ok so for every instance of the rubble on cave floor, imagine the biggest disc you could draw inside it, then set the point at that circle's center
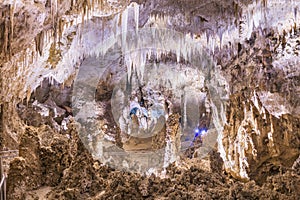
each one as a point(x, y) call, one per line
point(66, 170)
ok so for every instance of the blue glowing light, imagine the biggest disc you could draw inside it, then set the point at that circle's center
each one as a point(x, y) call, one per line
point(199, 132)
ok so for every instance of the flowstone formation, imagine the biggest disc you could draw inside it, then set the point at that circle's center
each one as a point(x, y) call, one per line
point(151, 99)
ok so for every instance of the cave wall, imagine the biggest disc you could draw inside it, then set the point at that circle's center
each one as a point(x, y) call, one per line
point(46, 34)
point(261, 136)
point(40, 39)
point(260, 143)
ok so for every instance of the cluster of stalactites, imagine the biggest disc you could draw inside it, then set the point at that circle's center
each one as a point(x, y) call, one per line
point(7, 31)
point(53, 50)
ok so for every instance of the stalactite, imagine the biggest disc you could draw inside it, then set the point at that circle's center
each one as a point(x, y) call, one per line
point(39, 42)
point(28, 95)
point(56, 10)
point(136, 16)
point(83, 14)
point(51, 11)
point(92, 5)
point(265, 3)
point(88, 8)
point(61, 24)
point(178, 47)
point(71, 5)
point(124, 28)
point(115, 25)
point(236, 12)
point(103, 28)
point(213, 46)
point(221, 38)
point(11, 15)
point(124, 22)
point(143, 64)
point(207, 37)
point(5, 36)
point(101, 4)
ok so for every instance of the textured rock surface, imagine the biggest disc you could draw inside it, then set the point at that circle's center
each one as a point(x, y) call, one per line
point(60, 160)
point(263, 118)
point(260, 141)
point(40, 33)
point(85, 178)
